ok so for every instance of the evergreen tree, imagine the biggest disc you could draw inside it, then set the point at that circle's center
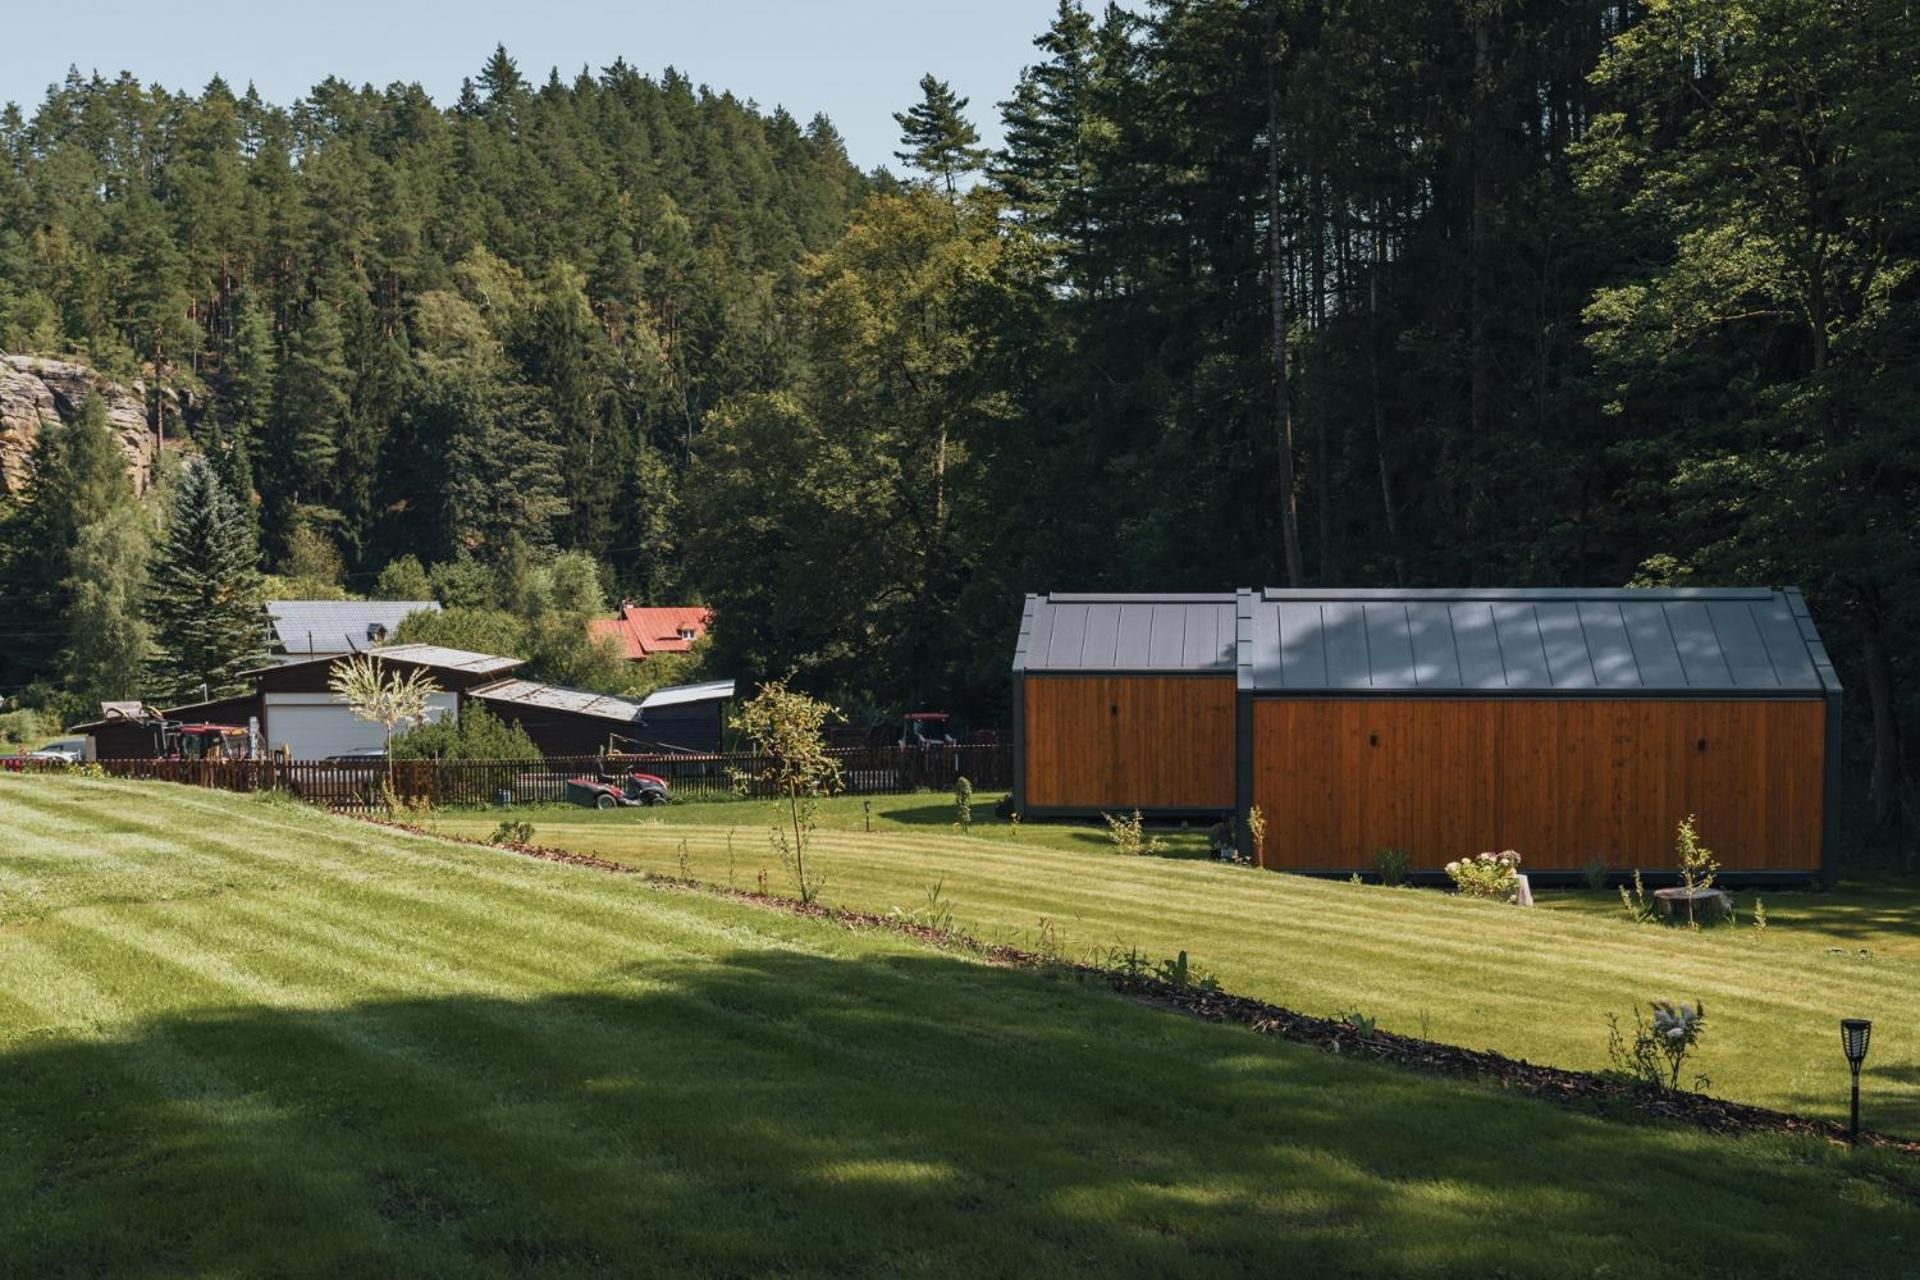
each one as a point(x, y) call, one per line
point(206, 589)
point(312, 400)
point(937, 138)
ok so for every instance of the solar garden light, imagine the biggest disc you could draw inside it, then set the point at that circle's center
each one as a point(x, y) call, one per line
point(1854, 1035)
point(866, 807)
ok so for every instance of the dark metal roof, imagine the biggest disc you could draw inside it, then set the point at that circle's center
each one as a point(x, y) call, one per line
point(1146, 633)
point(1619, 641)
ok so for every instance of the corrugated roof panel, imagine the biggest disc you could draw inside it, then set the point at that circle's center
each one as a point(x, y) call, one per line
point(1614, 664)
point(1741, 646)
point(1303, 646)
point(1698, 644)
point(1436, 659)
point(1068, 647)
point(1654, 650)
point(1168, 647)
point(1135, 648)
point(1478, 646)
point(1523, 656)
point(1565, 642)
point(1102, 642)
point(1786, 649)
point(1389, 646)
point(1348, 666)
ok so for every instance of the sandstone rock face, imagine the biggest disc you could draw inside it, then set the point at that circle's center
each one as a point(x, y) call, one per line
point(36, 390)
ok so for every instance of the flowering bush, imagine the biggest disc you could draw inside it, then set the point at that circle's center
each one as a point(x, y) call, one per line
point(1493, 876)
point(1658, 1051)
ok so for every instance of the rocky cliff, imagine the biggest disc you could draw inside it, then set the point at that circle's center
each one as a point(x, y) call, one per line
point(35, 390)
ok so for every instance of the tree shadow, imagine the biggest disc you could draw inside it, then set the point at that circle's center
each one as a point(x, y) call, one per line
point(782, 1111)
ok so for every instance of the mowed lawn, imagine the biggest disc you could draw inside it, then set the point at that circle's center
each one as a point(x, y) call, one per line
point(1534, 984)
point(241, 1037)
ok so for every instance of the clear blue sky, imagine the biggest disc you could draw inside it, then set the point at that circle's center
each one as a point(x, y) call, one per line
point(857, 60)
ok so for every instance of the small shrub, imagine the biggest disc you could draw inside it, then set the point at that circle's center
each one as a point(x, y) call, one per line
point(1129, 835)
point(1360, 1022)
point(1594, 872)
point(1493, 876)
point(512, 831)
point(1697, 864)
point(1132, 962)
point(685, 861)
point(1257, 829)
point(1182, 973)
point(1635, 904)
point(1050, 943)
point(1658, 1049)
point(934, 913)
point(1759, 915)
point(1392, 866)
point(963, 805)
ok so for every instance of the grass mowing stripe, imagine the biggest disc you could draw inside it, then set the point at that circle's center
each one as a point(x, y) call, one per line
point(1529, 984)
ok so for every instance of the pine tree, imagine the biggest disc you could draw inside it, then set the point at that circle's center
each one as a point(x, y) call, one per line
point(206, 589)
point(937, 137)
point(312, 400)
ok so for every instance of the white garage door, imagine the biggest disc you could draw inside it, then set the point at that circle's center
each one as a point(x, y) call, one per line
point(314, 726)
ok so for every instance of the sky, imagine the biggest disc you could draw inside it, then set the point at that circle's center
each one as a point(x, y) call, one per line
point(859, 61)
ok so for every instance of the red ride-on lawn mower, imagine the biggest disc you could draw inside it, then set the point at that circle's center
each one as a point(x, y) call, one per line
point(630, 788)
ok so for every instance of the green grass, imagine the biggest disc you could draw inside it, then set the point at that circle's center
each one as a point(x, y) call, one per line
point(243, 1038)
point(1533, 984)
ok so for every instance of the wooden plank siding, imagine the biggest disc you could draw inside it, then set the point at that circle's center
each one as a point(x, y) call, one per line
point(1563, 781)
point(1125, 742)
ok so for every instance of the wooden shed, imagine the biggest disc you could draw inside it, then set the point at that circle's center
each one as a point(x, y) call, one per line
point(1124, 702)
point(1578, 727)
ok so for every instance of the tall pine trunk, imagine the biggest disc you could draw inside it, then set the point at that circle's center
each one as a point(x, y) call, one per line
point(1277, 280)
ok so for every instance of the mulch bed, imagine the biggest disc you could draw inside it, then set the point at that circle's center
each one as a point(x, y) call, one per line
point(1555, 1084)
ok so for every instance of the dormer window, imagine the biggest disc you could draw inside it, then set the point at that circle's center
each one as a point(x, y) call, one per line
point(687, 634)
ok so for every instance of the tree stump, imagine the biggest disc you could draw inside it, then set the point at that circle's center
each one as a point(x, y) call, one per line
point(1709, 905)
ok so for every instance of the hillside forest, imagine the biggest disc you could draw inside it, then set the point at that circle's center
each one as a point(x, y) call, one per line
point(1256, 292)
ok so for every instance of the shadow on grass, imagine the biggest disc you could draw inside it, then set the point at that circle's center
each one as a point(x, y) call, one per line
point(784, 1112)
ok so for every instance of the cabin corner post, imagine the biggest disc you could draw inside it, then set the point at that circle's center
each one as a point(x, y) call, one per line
point(1830, 797)
point(1243, 721)
point(1018, 789)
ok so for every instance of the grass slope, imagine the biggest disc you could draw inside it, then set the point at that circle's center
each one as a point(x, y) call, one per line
point(1533, 984)
point(241, 1038)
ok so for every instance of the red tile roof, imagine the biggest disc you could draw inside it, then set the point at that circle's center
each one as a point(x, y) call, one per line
point(642, 632)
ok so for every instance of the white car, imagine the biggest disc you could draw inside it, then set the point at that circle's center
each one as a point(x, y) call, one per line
point(66, 751)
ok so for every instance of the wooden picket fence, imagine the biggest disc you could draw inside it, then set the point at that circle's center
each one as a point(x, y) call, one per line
point(361, 784)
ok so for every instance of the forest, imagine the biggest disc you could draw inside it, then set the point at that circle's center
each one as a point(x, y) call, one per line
point(1256, 292)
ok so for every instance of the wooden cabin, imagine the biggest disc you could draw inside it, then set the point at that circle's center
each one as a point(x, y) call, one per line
point(1575, 726)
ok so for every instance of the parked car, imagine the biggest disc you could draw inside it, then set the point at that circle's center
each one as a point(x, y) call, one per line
point(629, 788)
point(65, 750)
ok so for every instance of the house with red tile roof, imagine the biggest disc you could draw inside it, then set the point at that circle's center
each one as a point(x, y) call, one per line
point(642, 631)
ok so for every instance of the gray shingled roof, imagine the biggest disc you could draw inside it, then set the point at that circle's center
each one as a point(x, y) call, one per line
point(1719, 641)
point(304, 627)
point(1127, 633)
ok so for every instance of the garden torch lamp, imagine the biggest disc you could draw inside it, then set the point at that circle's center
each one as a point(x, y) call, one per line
point(1854, 1035)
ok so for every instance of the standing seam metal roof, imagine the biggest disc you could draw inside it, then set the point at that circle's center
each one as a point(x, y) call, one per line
point(1146, 633)
point(1755, 642)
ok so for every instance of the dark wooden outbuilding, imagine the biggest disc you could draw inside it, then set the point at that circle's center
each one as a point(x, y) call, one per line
point(1578, 727)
